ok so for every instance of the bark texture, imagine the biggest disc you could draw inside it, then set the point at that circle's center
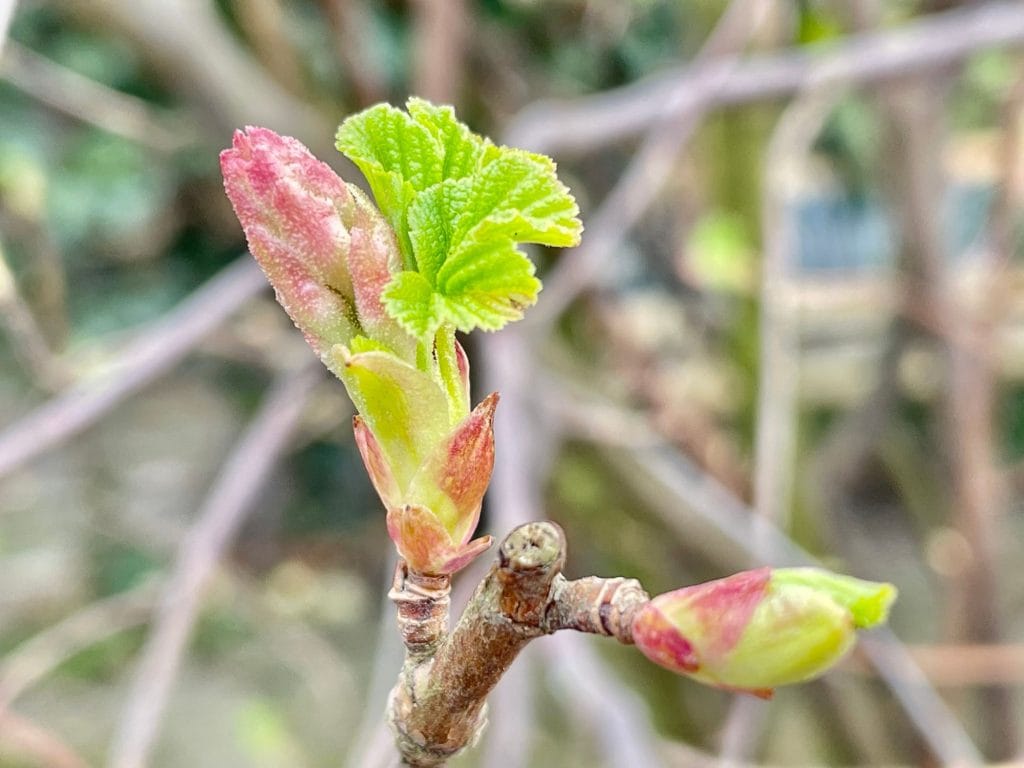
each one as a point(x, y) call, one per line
point(438, 707)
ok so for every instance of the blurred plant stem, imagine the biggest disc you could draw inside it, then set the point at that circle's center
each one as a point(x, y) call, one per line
point(44, 368)
point(153, 352)
point(979, 489)
point(198, 56)
point(441, 31)
point(352, 25)
point(233, 494)
point(91, 102)
point(6, 14)
point(29, 741)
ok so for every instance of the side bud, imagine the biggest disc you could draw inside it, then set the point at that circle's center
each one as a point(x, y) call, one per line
point(760, 629)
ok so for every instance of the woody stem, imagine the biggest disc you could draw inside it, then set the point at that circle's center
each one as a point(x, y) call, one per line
point(437, 708)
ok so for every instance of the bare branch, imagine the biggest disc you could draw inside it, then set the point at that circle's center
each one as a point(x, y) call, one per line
point(353, 44)
point(232, 496)
point(591, 690)
point(373, 745)
point(35, 658)
point(84, 99)
point(941, 39)
point(437, 708)
point(154, 352)
point(954, 666)
point(265, 24)
point(441, 28)
point(38, 745)
point(27, 339)
point(778, 366)
point(979, 494)
point(208, 65)
point(651, 166)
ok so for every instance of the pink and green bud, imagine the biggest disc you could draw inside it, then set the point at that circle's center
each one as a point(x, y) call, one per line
point(402, 406)
point(323, 245)
point(433, 512)
point(330, 254)
point(760, 629)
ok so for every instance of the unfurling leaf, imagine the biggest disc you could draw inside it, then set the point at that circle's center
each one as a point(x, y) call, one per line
point(459, 212)
point(380, 290)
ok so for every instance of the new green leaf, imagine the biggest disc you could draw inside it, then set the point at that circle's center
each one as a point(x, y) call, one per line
point(459, 211)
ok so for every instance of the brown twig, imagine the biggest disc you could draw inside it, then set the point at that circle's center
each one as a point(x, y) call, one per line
point(153, 353)
point(233, 494)
point(437, 708)
point(940, 39)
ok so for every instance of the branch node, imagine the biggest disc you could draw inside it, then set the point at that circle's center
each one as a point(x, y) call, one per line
point(529, 560)
point(422, 601)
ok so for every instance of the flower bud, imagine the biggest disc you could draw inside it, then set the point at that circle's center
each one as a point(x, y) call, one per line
point(760, 629)
point(324, 247)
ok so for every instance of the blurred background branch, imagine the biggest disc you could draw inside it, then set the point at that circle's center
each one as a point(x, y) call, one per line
point(202, 548)
point(794, 333)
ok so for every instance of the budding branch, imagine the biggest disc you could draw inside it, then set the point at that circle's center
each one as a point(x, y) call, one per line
point(437, 708)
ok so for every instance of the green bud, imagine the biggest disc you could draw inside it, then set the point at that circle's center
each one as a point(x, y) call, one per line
point(760, 629)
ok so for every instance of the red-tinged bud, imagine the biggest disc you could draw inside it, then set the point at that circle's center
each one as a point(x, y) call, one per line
point(433, 517)
point(760, 629)
point(324, 247)
point(288, 203)
point(377, 465)
point(426, 544)
point(462, 361)
point(373, 260)
point(453, 480)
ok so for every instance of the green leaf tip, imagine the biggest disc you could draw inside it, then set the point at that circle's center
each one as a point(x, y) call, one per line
point(867, 601)
point(459, 205)
point(759, 629)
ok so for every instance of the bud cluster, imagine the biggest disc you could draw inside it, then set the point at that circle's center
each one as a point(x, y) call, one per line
point(329, 253)
point(379, 294)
